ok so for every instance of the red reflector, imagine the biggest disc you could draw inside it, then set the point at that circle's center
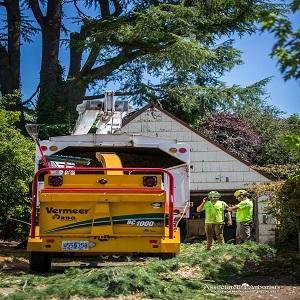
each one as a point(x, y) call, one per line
point(155, 246)
point(50, 241)
point(55, 180)
point(153, 241)
point(44, 148)
point(149, 181)
point(182, 150)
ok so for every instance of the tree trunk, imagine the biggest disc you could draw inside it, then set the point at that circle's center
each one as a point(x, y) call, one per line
point(73, 94)
point(50, 105)
point(6, 86)
point(74, 90)
point(10, 55)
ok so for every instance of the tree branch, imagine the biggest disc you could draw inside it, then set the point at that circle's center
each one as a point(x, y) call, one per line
point(114, 63)
point(118, 8)
point(80, 12)
point(104, 7)
point(90, 60)
point(75, 54)
point(36, 10)
point(130, 52)
point(29, 100)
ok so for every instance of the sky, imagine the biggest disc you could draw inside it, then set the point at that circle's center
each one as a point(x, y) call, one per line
point(258, 65)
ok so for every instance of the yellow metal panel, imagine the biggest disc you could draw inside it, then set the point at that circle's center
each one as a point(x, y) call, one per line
point(121, 222)
point(66, 217)
point(100, 197)
point(35, 244)
point(146, 218)
point(95, 214)
point(88, 218)
point(102, 216)
point(171, 245)
point(102, 209)
point(113, 181)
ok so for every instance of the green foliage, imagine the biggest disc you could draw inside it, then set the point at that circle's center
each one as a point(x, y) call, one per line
point(194, 103)
point(271, 128)
point(16, 169)
point(184, 277)
point(168, 52)
point(287, 46)
point(292, 137)
point(13, 102)
point(289, 208)
point(55, 130)
point(226, 262)
point(293, 141)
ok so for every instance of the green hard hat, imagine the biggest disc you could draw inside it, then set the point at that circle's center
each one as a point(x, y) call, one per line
point(214, 194)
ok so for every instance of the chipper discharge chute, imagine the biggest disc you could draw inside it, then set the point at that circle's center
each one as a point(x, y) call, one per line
point(101, 211)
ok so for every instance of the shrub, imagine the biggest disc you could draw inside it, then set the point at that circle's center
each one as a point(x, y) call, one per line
point(16, 169)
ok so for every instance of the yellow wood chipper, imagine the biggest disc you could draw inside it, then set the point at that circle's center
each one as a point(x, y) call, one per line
point(104, 194)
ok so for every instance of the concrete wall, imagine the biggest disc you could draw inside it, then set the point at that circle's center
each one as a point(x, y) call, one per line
point(265, 223)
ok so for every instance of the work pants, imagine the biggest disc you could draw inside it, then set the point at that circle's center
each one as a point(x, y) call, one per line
point(210, 230)
point(243, 231)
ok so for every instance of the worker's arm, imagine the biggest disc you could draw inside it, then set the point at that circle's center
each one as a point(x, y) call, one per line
point(232, 208)
point(228, 215)
point(201, 206)
point(229, 220)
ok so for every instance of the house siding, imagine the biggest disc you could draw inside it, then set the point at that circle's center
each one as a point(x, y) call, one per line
point(211, 166)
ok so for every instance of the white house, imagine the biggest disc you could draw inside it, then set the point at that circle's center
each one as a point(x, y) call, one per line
point(212, 166)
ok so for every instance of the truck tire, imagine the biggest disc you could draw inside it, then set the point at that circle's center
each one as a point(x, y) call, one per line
point(40, 261)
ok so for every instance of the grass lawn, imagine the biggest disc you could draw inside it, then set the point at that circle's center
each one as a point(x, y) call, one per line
point(194, 274)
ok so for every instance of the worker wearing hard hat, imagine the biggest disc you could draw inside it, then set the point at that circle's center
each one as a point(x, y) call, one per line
point(244, 214)
point(214, 217)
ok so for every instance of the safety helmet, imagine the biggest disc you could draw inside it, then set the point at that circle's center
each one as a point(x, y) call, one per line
point(240, 192)
point(214, 194)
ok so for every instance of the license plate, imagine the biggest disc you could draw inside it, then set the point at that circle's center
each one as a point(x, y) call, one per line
point(74, 245)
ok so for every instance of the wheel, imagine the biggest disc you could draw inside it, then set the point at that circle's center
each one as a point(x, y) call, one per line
point(40, 261)
point(165, 256)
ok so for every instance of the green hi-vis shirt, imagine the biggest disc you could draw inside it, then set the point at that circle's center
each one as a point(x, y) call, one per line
point(245, 211)
point(214, 212)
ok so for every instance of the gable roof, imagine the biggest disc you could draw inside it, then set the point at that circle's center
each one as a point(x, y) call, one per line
point(202, 135)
